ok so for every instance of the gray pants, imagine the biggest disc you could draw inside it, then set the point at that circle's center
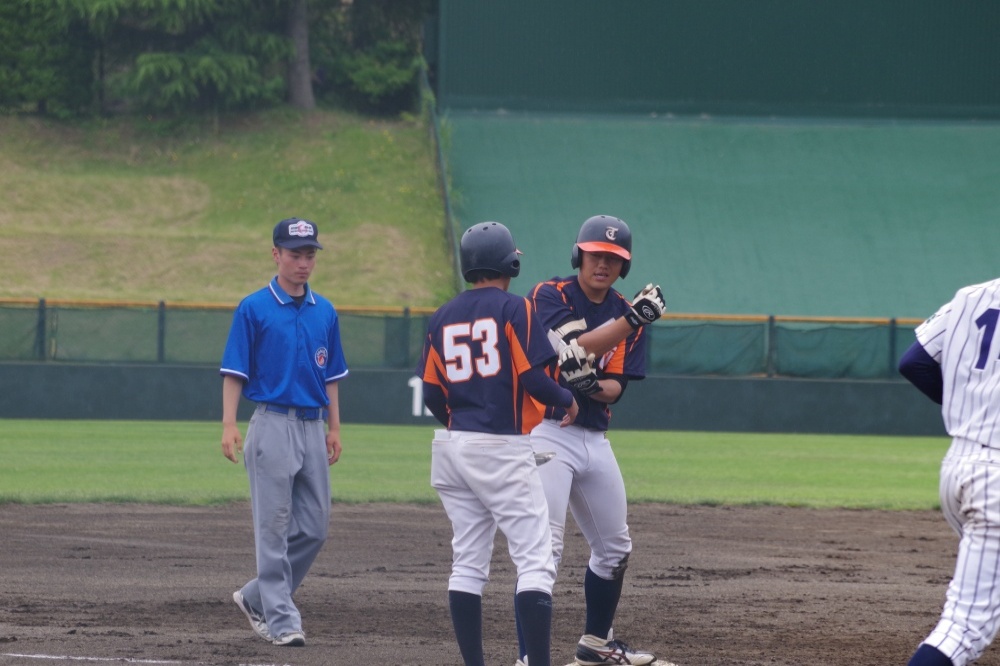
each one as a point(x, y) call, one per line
point(286, 462)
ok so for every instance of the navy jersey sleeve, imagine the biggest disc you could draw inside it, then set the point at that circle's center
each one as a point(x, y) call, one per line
point(923, 372)
point(550, 303)
point(531, 336)
point(544, 389)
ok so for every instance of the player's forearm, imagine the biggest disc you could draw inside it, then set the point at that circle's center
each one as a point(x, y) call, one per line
point(232, 388)
point(542, 388)
point(610, 392)
point(602, 340)
point(333, 415)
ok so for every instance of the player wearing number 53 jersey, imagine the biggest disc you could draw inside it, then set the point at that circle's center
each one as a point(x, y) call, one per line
point(956, 362)
point(483, 360)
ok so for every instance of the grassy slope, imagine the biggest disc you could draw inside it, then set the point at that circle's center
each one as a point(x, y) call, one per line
point(125, 210)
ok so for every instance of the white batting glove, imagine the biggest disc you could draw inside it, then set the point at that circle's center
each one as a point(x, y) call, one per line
point(577, 366)
point(647, 306)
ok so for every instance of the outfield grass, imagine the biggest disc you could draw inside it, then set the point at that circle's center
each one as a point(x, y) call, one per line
point(181, 463)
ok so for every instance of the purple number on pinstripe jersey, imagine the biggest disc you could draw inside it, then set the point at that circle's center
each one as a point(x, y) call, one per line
point(988, 321)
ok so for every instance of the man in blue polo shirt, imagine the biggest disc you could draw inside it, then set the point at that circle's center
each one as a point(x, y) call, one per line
point(284, 354)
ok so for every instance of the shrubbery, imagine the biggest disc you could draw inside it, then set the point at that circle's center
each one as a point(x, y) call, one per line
point(76, 57)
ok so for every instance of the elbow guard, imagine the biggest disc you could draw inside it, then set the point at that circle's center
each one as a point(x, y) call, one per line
point(562, 335)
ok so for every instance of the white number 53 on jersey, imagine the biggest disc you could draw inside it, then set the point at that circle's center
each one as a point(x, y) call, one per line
point(471, 347)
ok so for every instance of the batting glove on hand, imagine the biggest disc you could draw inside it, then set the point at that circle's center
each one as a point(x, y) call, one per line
point(647, 306)
point(577, 366)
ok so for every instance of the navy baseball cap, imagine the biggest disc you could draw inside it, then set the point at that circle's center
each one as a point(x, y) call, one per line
point(295, 232)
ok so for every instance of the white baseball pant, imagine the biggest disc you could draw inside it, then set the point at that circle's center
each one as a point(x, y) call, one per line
point(970, 502)
point(584, 477)
point(487, 481)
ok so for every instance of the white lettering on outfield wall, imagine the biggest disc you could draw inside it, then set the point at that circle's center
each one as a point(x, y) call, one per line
point(417, 384)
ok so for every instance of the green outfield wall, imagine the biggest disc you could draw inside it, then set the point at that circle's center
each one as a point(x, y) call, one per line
point(921, 58)
point(158, 392)
point(784, 216)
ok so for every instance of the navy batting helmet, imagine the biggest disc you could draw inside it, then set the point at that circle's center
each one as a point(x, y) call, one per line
point(489, 246)
point(603, 233)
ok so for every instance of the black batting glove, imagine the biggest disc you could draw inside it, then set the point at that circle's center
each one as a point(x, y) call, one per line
point(647, 306)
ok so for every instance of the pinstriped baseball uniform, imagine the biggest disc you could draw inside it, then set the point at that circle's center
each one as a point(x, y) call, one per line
point(962, 338)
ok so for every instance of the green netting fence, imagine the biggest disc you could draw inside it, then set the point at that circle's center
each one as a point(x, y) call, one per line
point(722, 345)
point(808, 347)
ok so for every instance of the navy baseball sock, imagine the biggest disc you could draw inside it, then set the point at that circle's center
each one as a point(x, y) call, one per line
point(467, 618)
point(521, 649)
point(534, 614)
point(928, 656)
point(602, 602)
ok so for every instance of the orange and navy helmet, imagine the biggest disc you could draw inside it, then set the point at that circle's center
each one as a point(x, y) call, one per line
point(603, 233)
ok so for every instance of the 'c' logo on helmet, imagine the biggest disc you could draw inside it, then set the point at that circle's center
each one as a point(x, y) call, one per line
point(610, 233)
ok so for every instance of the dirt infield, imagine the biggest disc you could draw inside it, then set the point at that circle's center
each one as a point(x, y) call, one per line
point(707, 586)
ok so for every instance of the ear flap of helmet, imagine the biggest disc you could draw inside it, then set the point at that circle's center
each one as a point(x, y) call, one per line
point(489, 246)
point(511, 265)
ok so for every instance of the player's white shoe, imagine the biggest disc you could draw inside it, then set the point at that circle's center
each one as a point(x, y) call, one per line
point(597, 651)
point(257, 622)
point(291, 639)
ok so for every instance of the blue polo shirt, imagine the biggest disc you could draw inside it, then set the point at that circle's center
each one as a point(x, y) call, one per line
point(285, 353)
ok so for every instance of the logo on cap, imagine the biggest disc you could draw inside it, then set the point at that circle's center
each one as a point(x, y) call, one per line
point(610, 233)
point(302, 229)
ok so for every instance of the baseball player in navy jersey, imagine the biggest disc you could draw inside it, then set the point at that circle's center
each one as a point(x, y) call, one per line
point(284, 354)
point(483, 360)
point(603, 338)
point(955, 361)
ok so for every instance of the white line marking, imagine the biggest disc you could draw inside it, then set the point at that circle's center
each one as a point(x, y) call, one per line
point(68, 658)
point(126, 660)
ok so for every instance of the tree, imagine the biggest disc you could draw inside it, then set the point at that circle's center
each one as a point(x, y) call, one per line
point(300, 89)
point(194, 55)
point(44, 59)
point(371, 54)
point(181, 56)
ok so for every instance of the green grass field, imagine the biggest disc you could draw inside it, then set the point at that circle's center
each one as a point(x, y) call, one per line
point(181, 463)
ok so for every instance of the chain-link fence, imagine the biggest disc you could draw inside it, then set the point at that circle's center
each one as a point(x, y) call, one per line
point(77, 331)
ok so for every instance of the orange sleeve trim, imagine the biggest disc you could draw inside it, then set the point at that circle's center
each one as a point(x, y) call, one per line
point(518, 357)
point(434, 369)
